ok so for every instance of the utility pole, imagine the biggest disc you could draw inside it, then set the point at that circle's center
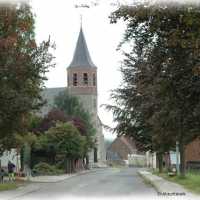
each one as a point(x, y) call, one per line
point(177, 158)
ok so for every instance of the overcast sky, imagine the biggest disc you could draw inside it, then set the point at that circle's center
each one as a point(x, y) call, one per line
point(61, 20)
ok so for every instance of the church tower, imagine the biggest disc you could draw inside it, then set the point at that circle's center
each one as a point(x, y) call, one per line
point(82, 76)
point(82, 82)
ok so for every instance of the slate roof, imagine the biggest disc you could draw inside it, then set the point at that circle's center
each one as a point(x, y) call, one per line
point(81, 56)
point(49, 94)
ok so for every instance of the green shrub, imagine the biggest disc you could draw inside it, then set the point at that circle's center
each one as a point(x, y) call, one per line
point(60, 164)
point(43, 168)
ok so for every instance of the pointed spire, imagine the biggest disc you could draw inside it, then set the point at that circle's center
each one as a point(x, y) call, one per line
point(81, 56)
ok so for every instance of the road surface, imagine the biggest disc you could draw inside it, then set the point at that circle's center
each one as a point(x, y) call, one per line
point(106, 183)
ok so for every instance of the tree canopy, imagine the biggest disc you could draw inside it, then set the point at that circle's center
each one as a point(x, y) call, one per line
point(65, 139)
point(75, 112)
point(78, 116)
point(23, 66)
point(159, 100)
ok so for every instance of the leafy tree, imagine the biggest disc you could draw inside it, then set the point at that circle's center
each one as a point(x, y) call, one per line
point(162, 91)
point(75, 113)
point(70, 105)
point(34, 122)
point(62, 140)
point(43, 149)
point(23, 67)
point(67, 140)
point(28, 138)
point(24, 143)
point(50, 120)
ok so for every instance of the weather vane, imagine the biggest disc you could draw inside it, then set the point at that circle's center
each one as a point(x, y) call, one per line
point(82, 6)
point(86, 5)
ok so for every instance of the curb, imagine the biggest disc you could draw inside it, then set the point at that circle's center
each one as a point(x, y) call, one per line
point(165, 187)
point(65, 178)
point(149, 181)
point(22, 190)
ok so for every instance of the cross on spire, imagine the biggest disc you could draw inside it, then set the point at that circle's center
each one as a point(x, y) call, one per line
point(81, 19)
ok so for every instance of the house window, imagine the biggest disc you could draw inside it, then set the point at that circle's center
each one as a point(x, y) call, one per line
point(75, 79)
point(94, 80)
point(85, 78)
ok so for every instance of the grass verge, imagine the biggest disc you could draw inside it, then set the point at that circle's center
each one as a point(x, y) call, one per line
point(12, 185)
point(191, 181)
point(8, 186)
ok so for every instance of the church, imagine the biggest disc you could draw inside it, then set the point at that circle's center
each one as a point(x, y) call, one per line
point(82, 83)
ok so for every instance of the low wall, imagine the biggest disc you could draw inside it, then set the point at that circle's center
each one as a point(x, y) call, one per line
point(116, 162)
point(135, 160)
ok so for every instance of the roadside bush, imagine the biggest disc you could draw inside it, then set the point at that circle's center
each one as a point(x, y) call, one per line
point(60, 164)
point(43, 168)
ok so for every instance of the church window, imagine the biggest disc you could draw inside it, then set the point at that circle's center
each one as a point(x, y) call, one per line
point(75, 79)
point(94, 80)
point(85, 78)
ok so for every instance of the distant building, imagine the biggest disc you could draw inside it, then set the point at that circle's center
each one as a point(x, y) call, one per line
point(120, 148)
point(192, 157)
point(192, 154)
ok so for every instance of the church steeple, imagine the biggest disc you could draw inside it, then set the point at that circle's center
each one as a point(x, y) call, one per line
point(82, 83)
point(81, 56)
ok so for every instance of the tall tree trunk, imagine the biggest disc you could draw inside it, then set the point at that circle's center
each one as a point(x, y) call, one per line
point(160, 162)
point(73, 165)
point(70, 166)
point(182, 158)
point(66, 164)
point(87, 162)
point(22, 158)
point(83, 163)
point(181, 147)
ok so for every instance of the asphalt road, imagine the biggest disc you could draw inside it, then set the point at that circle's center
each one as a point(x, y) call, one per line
point(109, 183)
